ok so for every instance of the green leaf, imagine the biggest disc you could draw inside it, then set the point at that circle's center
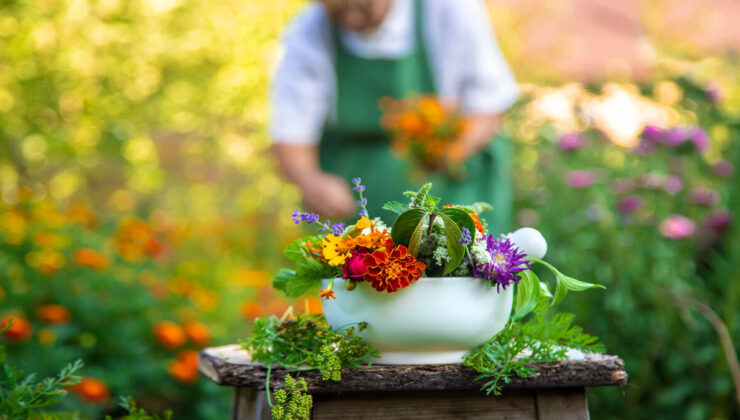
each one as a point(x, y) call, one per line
point(576, 285)
point(404, 226)
point(294, 251)
point(527, 294)
point(395, 207)
point(454, 248)
point(283, 277)
point(415, 241)
point(461, 218)
point(430, 203)
point(420, 198)
point(560, 292)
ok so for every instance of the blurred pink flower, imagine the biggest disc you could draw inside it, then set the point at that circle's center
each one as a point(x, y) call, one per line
point(700, 138)
point(723, 168)
point(677, 227)
point(622, 185)
point(718, 219)
point(651, 133)
point(673, 185)
point(704, 196)
point(571, 141)
point(579, 179)
point(630, 204)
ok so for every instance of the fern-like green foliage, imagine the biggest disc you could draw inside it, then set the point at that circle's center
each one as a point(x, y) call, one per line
point(23, 396)
point(543, 338)
point(136, 413)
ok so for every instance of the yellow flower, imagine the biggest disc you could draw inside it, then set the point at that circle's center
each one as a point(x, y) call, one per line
point(335, 249)
point(364, 223)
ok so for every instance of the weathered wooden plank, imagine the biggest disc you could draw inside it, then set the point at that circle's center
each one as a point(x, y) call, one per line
point(424, 405)
point(230, 366)
point(563, 403)
point(250, 404)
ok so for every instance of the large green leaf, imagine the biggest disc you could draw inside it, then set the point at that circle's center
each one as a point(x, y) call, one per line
point(460, 217)
point(395, 207)
point(404, 226)
point(415, 241)
point(283, 277)
point(560, 292)
point(294, 252)
point(576, 285)
point(454, 248)
point(527, 294)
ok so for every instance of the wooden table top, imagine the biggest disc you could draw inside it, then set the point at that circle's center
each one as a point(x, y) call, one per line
point(231, 366)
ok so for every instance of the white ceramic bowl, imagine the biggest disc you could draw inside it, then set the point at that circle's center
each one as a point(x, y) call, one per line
point(434, 320)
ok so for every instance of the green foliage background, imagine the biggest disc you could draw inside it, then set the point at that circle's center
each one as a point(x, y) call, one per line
point(157, 110)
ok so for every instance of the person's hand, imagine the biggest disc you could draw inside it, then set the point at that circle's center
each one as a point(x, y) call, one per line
point(328, 195)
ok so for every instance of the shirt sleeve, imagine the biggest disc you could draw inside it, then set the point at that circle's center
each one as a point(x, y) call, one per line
point(488, 85)
point(303, 85)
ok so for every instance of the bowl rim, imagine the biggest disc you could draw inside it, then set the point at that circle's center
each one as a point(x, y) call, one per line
point(428, 279)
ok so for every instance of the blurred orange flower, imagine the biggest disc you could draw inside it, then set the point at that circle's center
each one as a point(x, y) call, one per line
point(135, 239)
point(251, 310)
point(47, 260)
point(197, 333)
point(313, 305)
point(252, 278)
point(91, 390)
point(169, 334)
point(185, 367)
point(90, 258)
point(82, 215)
point(53, 314)
point(19, 332)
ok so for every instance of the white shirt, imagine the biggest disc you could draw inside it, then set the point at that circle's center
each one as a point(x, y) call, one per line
point(466, 63)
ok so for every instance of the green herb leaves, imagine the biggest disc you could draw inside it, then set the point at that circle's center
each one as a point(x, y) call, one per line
point(564, 283)
point(308, 272)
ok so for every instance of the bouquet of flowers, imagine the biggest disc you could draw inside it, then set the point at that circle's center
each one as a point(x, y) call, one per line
point(424, 240)
point(423, 129)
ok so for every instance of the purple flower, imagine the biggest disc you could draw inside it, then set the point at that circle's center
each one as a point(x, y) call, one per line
point(465, 238)
point(506, 261)
point(714, 92)
point(309, 218)
point(630, 204)
point(674, 137)
point(363, 213)
point(704, 196)
point(723, 168)
point(700, 138)
point(362, 202)
point(357, 187)
point(571, 141)
point(623, 185)
point(337, 229)
point(718, 219)
point(651, 133)
point(579, 179)
point(677, 227)
point(673, 185)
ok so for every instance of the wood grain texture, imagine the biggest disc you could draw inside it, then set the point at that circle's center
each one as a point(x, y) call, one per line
point(564, 403)
point(425, 405)
point(230, 366)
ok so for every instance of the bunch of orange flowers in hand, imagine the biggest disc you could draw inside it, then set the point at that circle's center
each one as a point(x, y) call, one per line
point(423, 129)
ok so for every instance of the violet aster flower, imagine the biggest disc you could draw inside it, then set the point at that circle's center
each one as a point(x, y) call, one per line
point(579, 179)
point(465, 238)
point(723, 168)
point(673, 185)
point(704, 196)
point(506, 261)
point(677, 227)
point(718, 219)
point(571, 141)
point(630, 204)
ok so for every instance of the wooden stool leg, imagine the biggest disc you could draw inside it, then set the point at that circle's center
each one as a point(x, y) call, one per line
point(562, 403)
point(250, 404)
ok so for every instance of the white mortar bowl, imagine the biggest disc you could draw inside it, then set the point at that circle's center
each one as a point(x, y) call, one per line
point(435, 320)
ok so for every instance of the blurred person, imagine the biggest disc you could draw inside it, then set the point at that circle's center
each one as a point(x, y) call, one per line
point(342, 56)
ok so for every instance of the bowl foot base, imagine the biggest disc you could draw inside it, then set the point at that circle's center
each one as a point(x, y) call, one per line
point(420, 358)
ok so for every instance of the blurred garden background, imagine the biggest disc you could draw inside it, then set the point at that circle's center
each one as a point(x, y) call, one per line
point(141, 218)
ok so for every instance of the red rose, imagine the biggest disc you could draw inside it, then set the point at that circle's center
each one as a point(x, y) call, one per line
point(354, 267)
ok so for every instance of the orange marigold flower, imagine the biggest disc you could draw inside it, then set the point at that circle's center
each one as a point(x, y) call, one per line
point(169, 334)
point(251, 310)
point(392, 270)
point(90, 258)
point(19, 332)
point(53, 314)
point(197, 333)
point(91, 390)
point(478, 224)
point(185, 367)
point(327, 294)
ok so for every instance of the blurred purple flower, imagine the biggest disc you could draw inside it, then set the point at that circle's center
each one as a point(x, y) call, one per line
point(723, 168)
point(309, 218)
point(651, 133)
point(718, 219)
point(700, 138)
point(630, 204)
point(704, 196)
point(579, 179)
point(674, 136)
point(714, 92)
point(677, 227)
point(673, 185)
point(623, 185)
point(651, 181)
point(571, 141)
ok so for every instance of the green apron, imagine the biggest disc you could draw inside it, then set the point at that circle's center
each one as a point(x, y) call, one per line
point(354, 145)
